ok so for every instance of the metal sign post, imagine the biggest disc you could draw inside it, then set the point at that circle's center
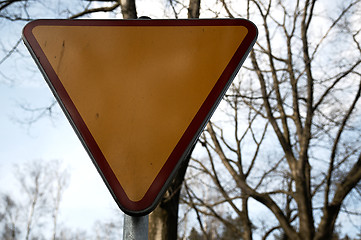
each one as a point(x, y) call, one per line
point(135, 228)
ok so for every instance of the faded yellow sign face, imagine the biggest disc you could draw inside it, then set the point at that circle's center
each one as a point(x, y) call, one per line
point(138, 88)
point(139, 92)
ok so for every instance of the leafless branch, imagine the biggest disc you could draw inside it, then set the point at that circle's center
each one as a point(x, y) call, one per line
point(95, 10)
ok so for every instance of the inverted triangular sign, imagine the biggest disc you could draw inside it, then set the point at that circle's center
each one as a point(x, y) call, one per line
point(139, 92)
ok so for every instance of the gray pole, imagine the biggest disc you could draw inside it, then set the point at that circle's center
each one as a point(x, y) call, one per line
point(135, 228)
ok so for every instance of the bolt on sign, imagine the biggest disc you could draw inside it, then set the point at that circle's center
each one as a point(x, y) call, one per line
point(138, 93)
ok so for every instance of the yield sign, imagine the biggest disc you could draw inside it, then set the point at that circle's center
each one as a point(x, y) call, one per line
point(139, 92)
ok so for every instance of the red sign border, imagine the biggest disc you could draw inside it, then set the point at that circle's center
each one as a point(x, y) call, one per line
point(182, 149)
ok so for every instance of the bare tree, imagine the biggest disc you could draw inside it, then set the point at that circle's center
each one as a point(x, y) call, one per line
point(294, 142)
point(41, 186)
point(34, 181)
point(59, 183)
point(9, 215)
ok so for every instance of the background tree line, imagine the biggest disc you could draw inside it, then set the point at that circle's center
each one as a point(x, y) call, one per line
point(286, 141)
point(32, 209)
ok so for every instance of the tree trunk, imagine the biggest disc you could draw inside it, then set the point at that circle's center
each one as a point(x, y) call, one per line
point(194, 8)
point(163, 221)
point(129, 9)
point(246, 222)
